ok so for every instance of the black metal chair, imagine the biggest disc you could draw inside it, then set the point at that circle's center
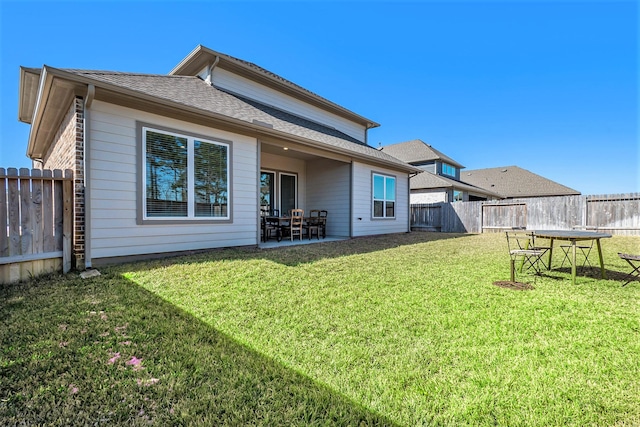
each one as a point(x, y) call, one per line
point(270, 228)
point(634, 262)
point(323, 222)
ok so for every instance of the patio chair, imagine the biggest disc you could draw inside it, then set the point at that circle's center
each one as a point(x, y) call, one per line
point(520, 251)
point(584, 249)
point(537, 246)
point(323, 222)
point(312, 224)
point(634, 262)
point(269, 227)
point(295, 223)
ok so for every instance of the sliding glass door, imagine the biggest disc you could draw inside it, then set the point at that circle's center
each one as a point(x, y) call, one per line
point(288, 192)
point(283, 196)
point(267, 191)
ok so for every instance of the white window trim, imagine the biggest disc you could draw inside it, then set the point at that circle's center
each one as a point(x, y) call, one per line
point(385, 200)
point(142, 217)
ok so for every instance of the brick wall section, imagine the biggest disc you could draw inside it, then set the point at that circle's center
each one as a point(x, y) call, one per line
point(67, 152)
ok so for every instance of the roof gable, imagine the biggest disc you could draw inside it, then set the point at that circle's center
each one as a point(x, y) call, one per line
point(202, 57)
point(428, 180)
point(515, 182)
point(417, 151)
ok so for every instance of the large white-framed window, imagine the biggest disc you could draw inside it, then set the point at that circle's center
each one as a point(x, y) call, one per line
point(185, 177)
point(384, 196)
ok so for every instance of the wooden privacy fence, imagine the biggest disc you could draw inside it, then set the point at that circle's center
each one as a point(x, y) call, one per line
point(614, 213)
point(36, 222)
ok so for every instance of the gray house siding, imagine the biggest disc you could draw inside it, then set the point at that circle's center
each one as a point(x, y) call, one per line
point(328, 187)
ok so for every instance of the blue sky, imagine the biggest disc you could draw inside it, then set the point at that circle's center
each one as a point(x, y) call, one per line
point(549, 86)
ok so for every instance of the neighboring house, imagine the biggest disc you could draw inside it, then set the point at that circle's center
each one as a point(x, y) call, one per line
point(514, 182)
point(440, 181)
point(181, 162)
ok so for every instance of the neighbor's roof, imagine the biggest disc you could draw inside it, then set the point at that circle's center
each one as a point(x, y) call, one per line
point(428, 180)
point(515, 182)
point(417, 151)
point(195, 96)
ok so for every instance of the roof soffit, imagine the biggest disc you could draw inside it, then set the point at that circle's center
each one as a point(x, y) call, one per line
point(54, 97)
point(28, 95)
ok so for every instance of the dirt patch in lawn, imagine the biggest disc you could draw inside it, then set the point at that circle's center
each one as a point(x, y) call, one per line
point(518, 286)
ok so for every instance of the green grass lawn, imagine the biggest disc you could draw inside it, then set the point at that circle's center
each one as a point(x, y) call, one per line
point(393, 330)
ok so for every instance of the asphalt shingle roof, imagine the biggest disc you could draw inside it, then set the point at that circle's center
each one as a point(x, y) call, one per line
point(193, 92)
point(515, 182)
point(417, 151)
point(428, 180)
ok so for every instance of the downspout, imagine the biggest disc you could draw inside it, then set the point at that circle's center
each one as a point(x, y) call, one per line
point(89, 97)
point(209, 79)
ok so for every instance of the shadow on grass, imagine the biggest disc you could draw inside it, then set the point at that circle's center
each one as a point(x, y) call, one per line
point(593, 273)
point(107, 352)
point(300, 254)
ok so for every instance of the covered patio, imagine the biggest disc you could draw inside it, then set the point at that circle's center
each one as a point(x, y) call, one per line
point(293, 176)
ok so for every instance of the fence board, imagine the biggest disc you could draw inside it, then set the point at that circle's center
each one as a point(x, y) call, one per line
point(4, 228)
point(47, 206)
point(67, 230)
point(615, 214)
point(427, 216)
point(36, 222)
point(13, 212)
point(4, 225)
point(26, 229)
point(468, 217)
point(59, 211)
point(619, 213)
point(38, 226)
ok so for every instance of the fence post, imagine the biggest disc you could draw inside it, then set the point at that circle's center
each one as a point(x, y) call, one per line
point(67, 224)
point(4, 236)
point(585, 214)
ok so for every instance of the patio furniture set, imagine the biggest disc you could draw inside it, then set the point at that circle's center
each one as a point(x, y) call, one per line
point(526, 251)
point(293, 224)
